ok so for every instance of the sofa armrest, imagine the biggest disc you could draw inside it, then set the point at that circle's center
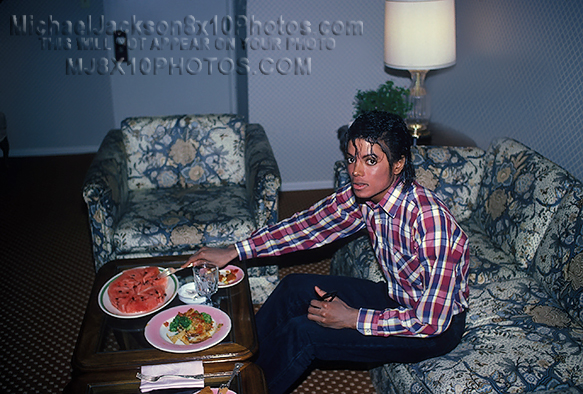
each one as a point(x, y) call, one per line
point(520, 192)
point(263, 179)
point(558, 261)
point(105, 191)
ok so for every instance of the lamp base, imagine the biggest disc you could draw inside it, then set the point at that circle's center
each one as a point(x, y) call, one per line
point(419, 111)
point(418, 130)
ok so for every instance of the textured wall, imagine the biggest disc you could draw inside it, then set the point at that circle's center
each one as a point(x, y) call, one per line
point(51, 112)
point(48, 111)
point(301, 113)
point(176, 92)
point(519, 73)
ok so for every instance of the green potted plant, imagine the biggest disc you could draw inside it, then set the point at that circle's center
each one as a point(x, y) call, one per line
point(387, 97)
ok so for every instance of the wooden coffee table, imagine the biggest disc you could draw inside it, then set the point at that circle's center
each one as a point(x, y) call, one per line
point(110, 350)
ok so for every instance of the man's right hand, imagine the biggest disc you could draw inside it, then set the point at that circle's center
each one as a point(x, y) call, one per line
point(218, 256)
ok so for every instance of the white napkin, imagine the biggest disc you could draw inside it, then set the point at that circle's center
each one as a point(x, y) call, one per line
point(187, 368)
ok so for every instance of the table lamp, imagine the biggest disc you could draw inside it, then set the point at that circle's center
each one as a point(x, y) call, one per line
point(419, 36)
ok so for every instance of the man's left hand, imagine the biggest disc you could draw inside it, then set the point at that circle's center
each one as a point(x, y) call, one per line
point(332, 314)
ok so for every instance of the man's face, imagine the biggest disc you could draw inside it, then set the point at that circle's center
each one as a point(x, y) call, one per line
point(370, 171)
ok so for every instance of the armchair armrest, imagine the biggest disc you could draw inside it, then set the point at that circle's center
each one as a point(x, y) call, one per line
point(262, 175)
point(105, 191)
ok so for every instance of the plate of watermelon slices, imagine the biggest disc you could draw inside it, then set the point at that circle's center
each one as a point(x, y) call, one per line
point(137, 292)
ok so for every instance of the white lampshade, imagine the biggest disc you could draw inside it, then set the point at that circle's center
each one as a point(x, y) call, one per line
point(419, 34)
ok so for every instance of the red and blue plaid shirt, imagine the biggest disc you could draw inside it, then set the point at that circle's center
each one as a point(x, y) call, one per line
point(422, 251)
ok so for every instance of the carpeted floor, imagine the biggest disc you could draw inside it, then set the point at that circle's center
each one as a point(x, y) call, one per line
point(45, 252)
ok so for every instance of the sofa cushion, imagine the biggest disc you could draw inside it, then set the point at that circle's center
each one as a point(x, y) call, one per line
point(517, 339)
point(559, 258)
point(488, 262)
point(519, 195)
point(356, 258)
point(185, 150)
point(180, 220)
point(453, 173)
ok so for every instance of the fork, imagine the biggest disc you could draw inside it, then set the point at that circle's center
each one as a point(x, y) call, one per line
point(170, 271)
point(151, 378)
point(223, 388)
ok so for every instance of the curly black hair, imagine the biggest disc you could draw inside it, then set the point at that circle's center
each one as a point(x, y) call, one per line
point(389, 131)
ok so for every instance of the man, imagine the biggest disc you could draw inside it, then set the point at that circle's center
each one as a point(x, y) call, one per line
point(417, 314)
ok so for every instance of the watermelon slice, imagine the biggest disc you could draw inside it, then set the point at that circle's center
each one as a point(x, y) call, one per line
point(138, 290)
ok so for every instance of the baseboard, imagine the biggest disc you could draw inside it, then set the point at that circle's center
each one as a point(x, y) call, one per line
point(77, 150)
point(312, 185)
point(71, 150)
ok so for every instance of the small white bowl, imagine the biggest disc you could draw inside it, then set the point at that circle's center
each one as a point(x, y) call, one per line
point(189, 298)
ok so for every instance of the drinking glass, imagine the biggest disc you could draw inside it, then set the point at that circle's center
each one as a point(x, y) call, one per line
point(206, 277)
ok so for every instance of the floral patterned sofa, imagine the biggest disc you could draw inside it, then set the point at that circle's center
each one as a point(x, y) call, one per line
point(523, 216)
point(170, 184)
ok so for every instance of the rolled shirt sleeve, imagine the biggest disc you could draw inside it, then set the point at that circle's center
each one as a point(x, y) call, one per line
point(334, 217)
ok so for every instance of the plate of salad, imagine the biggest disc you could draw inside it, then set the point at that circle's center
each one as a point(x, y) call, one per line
point(187, 328)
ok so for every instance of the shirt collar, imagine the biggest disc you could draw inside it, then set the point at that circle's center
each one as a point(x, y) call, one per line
point(392, 199)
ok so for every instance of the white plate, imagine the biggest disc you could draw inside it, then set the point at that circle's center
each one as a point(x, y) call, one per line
point(187, 298)
point(239, 275)
point(156, 330)
point(107, 306)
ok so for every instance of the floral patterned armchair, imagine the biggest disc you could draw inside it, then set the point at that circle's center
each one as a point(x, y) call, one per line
point(170, 184)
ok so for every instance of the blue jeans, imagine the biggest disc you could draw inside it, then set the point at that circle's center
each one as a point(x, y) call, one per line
point(289, 342)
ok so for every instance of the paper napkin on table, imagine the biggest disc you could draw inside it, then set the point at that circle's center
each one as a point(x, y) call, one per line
point(187, 368)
